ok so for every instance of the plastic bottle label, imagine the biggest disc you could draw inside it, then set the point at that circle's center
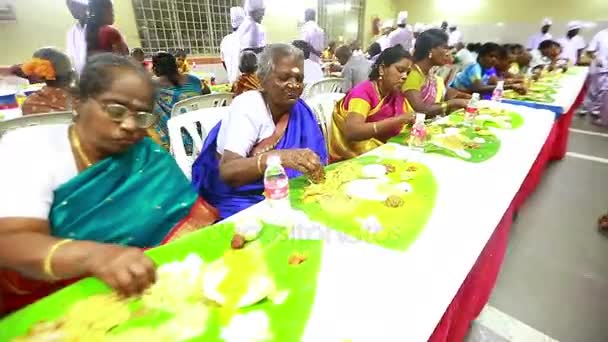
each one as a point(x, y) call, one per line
point(276, 193)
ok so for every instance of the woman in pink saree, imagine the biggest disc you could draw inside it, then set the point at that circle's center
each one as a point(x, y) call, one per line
point(373, 111)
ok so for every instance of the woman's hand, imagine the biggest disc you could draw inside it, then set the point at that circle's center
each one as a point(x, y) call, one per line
point(303, 160)
point(127, 270)
point(519, 88)
point(456, 104)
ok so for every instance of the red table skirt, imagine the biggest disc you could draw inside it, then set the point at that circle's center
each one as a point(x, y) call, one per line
point(475, 291)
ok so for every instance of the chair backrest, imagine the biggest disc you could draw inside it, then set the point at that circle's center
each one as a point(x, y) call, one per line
point(324, 86)
point(202, 102)
point(35, 120)
point(323, 106)
point(197, 124)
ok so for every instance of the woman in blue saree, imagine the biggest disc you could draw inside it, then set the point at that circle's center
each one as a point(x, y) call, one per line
point(274, 120)
point(84, 199)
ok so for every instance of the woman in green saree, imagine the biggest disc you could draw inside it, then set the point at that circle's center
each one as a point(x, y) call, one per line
point(85, 199)
point(426, 92)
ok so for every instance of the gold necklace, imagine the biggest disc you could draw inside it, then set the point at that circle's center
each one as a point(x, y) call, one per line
point(76, 143)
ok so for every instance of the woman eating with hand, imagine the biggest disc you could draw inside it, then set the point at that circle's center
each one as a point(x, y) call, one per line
point(373, 111)
point(55, 68)
point(83, 199)
point(478, 77)
point(271, 121)
point(424, 91)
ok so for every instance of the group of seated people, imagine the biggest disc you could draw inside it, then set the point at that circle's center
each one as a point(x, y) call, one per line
point(85, 199)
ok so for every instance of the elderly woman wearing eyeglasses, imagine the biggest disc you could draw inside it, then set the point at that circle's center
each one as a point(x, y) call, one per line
point(270, 121)
point(84, 199)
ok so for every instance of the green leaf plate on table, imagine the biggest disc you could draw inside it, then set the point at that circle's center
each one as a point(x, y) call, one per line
point(490, 117)
point(382, 201)
point(452, 139)
point(287, 320)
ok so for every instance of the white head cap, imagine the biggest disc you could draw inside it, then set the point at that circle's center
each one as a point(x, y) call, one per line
point(402, 18)
point(575, 25)
point(452, 25)
point(252, 5)
point(419, 27)
point(547, 21)
point(237, 15)
point(386, 24)
point(82, 2)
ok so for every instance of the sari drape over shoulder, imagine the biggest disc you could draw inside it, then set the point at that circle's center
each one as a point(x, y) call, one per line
point(364, 99)
point(302, 131)
point(246, 82)
point(139, 198)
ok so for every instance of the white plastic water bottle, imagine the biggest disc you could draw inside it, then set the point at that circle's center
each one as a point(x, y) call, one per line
point(418, 136)
point(472, 109)
point(498, 91)
point(276, 185)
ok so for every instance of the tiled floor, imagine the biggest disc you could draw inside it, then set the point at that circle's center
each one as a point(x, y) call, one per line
point(555, 276)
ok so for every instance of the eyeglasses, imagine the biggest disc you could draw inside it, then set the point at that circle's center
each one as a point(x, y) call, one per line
point(119, 113)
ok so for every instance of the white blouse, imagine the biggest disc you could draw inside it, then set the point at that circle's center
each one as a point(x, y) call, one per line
point(34, 162)
point(248, 122)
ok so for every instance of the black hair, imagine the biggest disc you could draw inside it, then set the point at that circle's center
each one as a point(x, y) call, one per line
point(304, 46)
point(100, 71)
point(488, 48)
point(164, 64)
point(387, 58)
point(180, 53)
point(471, 47)
point(248, 63)
point(374, 49)
point(546, 44)
point(95, 20)
point(427, 41)
point(504, 52)
point(64, 73)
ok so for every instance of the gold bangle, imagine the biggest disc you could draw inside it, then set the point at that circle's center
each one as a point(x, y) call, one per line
point(444, 107)
point(375, 128)
point(259, 163)
point(47, 264)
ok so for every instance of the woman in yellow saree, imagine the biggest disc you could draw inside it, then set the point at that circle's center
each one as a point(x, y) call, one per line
point(85, 199)
point(373, 111)
point(426, 92)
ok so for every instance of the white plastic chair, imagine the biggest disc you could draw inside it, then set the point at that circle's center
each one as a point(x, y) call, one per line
point(206, 118)
point(202, 102)
point(324, 86)
point(323, 106)
point(35, 120)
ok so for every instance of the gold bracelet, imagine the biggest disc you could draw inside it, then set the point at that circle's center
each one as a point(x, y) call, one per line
point(375, 128)
point(444, 107)
point(259, 163)
point(47, 264)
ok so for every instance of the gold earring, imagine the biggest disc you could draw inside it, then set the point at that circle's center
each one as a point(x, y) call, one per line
point(430, 55)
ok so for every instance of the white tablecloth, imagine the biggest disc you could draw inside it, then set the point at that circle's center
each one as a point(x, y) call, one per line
point(8, 114)
point(368, 293)
point(570, 87)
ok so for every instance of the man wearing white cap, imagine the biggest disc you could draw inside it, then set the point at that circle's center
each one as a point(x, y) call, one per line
point(402, 35)
point(387, 28)
point(455, 36)
point(76, 43)
point(313, 35)
point(596, 101)
point(572, 44)
point(251, 34)
point(541, 36)
point(230, 47)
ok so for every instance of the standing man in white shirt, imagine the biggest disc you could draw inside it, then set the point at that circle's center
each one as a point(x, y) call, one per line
point(596, 101)
point(402, 35)
point(251, 34)
point(230, 47)
point(387, 28)
point(76, 43)
point(312, 70)
point(313, 35)
point(541, 36)
point(572, 44)
point(455, 36)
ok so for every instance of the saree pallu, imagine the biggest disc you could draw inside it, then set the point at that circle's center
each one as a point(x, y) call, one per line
point(365, 100)
point(139, 198)
point(47, 100)
point(302, 131)
point(246, 82)
point(432, 87)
